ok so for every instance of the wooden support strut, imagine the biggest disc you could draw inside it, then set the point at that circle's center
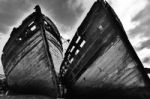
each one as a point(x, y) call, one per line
point(46, 45)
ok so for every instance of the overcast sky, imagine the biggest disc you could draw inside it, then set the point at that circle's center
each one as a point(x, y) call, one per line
point(68, 14)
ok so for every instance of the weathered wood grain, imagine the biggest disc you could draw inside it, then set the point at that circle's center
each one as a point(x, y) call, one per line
point(27, 64)
point(107, 60)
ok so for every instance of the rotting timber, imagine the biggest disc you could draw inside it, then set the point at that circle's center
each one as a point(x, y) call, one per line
point(32, 56)
point(100, 61)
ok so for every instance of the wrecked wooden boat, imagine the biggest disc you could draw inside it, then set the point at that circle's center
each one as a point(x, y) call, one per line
point(100, 57)
point(32, 56)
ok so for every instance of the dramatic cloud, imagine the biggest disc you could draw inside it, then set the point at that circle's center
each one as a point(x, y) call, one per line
point(142, 33)
point(10, 12)
point(127, 10)
point(144, 19)
point(3, 39)
point(65, 13)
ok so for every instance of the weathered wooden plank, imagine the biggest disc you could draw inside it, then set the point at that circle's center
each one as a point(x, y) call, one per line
point(30, 68)
point(106, 65)
point(56, 55)
point(107, 59)
point(56, 51)
point(21, 52)
point(88, 51)
point(30, 73)
point(97, 68)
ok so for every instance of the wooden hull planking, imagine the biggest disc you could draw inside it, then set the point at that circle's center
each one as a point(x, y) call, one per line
point(27, 65)
point(101, 56)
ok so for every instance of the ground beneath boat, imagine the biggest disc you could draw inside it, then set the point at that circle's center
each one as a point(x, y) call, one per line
point(134, 93)
point(24, 97)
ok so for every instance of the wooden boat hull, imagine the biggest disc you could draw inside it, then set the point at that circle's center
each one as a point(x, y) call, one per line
point(28, 62)
point(100, 57)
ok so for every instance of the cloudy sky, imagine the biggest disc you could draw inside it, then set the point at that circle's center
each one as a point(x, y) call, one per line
point(68, 14)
